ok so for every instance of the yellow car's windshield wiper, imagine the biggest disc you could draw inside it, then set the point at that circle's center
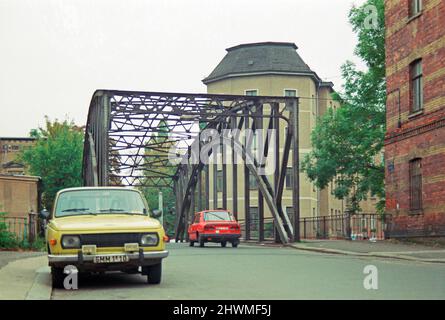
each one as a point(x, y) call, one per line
point(75, 209)
point(112, 210)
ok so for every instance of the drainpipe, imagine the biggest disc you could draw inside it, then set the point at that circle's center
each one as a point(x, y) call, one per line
point(317, 113)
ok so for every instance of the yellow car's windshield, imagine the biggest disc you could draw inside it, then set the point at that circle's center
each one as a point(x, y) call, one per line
point(95, 202)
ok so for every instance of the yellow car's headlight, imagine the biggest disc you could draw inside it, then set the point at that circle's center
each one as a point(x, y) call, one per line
point(149, 239)
point(70, 242)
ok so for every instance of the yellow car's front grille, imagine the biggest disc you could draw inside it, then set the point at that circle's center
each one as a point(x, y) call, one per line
point(110, 239)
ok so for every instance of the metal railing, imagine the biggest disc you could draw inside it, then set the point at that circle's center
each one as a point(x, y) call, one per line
point(17, 226)
point(359, 226)
point(24, 228)
point(268, 229)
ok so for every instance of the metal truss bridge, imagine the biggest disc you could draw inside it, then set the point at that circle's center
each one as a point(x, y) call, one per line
point(158, 140)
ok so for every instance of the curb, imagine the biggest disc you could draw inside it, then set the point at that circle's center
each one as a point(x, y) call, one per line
point(41, 288)
point(368, 254)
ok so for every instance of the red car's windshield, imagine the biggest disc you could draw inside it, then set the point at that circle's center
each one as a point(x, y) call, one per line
point(218, 216)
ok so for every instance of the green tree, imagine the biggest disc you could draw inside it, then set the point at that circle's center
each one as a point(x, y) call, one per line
point(348, 143)
point(56, 157)
point(155, 155)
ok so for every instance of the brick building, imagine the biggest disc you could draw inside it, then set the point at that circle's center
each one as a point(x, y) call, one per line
point(415, 140)
point(9, 149)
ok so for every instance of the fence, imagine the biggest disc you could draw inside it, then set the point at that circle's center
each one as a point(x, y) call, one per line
point(359, 226)
point(268, 229)
point(24, 228)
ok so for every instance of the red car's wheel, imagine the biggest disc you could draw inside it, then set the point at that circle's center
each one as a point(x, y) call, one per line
point(201, 242)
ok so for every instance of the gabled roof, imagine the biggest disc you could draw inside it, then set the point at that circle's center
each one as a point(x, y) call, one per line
point(260, 58)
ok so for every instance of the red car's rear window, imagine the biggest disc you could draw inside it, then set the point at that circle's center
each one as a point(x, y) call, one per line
point(218, 216)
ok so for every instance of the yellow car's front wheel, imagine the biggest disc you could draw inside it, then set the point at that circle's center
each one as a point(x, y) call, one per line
point(57, 277)
point(154, 273)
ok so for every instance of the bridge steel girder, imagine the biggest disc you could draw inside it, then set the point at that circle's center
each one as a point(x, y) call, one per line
point(131, 136)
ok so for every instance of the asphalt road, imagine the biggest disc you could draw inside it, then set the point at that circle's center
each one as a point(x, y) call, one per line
point(254, 272)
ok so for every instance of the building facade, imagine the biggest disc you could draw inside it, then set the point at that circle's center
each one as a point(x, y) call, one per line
point(415, 139)
point(9, 149)
point(19, 195)
point(276, 69)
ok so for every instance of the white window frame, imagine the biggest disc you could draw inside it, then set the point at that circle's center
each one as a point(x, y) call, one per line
point(289, 89)
point(256, 90)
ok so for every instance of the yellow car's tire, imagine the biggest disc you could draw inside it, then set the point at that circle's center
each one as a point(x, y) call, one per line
point(154, 274)
point(57, 277)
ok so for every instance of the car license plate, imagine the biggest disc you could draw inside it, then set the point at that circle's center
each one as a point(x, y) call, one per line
point(222, 228)
point(131, 247)
point(89, 249)
point(111, 259)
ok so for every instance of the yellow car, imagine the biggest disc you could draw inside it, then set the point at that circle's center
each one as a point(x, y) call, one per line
point(98, 229)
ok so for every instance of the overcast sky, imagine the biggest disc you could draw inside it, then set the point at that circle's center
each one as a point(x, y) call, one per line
point(54, 54)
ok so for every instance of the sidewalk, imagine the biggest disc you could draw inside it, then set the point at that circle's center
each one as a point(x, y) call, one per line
point(381, 249)
point(26, 278)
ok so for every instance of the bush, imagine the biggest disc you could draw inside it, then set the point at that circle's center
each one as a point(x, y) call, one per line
point(7, 239)
point(38, 245)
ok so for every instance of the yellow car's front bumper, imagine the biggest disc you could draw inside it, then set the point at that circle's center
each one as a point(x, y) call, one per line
point(142, 258)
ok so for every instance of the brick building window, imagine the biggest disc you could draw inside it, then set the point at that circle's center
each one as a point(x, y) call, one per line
point(415, 184)
point(415, 7)
point(416, 86)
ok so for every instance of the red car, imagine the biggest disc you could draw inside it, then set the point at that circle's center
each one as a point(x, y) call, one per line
point(214, 226)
